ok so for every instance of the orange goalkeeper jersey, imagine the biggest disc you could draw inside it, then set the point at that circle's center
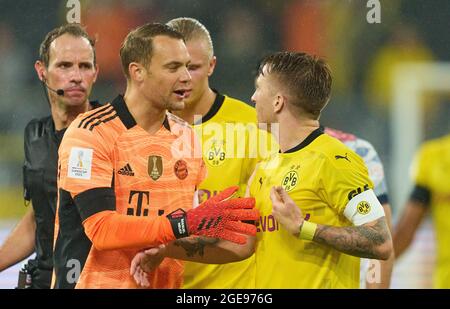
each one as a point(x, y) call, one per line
point(120, 182)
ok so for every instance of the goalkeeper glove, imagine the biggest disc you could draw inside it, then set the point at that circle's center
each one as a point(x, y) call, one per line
point(218, 217)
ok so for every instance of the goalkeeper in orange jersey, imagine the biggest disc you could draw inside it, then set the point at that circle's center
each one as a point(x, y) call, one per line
point(125, 183)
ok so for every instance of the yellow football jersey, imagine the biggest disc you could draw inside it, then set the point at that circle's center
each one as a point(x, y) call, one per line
point(432, 175)
point(231, 145)
point(321, 175)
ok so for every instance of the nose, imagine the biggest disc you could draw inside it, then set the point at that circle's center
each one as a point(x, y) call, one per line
point(76, 74)
point(185, 75)
point(253, 98)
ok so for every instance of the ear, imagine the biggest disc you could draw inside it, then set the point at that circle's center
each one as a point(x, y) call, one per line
point(279, 103)
point(96, 72)
point(137, 71)
point(41, 70)
point(212, 65)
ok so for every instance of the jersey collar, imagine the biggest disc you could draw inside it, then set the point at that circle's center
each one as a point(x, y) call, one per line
point(122, 111)
point(218, 102)
point(125, 116)
point(308, 140)
point(95, 104)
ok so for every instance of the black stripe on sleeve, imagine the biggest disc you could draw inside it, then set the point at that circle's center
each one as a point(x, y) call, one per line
point(421, 194)
point(94, 115)
point(95, 200)
point(98, 117)
point(383, 198)
point(102, 121)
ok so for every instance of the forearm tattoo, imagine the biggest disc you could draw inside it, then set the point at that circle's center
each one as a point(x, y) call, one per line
point(193, 246)
point(360, 241)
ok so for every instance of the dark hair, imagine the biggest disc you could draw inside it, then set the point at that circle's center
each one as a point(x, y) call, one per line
point(138, 45)
point(74, 29)
point(306, 78)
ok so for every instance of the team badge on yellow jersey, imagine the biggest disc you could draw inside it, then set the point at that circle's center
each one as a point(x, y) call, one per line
point(215, 155)
point(290, 180)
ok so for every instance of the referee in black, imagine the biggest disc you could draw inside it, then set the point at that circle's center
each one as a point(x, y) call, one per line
point(67, 70)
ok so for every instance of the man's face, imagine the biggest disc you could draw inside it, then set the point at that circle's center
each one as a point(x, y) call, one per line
point(201, 67)
point(71, 68)
point(166, 83)
point(264, 97)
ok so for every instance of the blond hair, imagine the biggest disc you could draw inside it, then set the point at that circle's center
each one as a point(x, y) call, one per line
point(192, 29)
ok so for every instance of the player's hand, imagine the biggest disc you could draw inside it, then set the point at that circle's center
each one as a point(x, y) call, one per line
point(218, 217)
point(140, 276)
point(285, 211)
point(146, 262)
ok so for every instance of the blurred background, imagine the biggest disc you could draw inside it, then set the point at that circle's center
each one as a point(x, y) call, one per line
point(368, 98)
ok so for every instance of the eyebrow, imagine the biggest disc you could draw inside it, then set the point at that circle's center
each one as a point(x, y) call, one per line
point(87, 63)
point(176, 64)
point(63, 62)
point(195, 64)
point(173, 64)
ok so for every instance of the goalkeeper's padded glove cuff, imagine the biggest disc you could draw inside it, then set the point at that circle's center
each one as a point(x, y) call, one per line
point(178, 221)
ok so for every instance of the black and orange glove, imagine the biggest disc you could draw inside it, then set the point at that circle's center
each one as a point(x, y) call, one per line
point(218, 217)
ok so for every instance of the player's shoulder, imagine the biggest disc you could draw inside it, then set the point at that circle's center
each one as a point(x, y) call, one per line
point(435, 145)
point(99, 125)
point(90, 120)
point(336, 154)
point(238, 110)
point(328, 144)
point(361, 146)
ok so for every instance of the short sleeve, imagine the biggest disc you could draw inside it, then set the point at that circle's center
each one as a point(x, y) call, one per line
point(340, 181)
point(419, 168)
point(419, 171)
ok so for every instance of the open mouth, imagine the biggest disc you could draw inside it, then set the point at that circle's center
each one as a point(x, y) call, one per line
point(182, 93)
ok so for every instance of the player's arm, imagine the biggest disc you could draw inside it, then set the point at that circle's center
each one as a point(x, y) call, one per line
point(20, 242)
point(409, 221)
point(418, 203)
point(108, 229)
point(369, 240)
point(386, 266)
point(218, 217)
point(209, 250)
point(198, 249)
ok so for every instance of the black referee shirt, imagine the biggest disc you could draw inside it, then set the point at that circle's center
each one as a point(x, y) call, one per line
point(39, 181)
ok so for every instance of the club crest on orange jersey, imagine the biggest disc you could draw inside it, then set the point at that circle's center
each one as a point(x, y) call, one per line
point(180, 169)
point(155, 167)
